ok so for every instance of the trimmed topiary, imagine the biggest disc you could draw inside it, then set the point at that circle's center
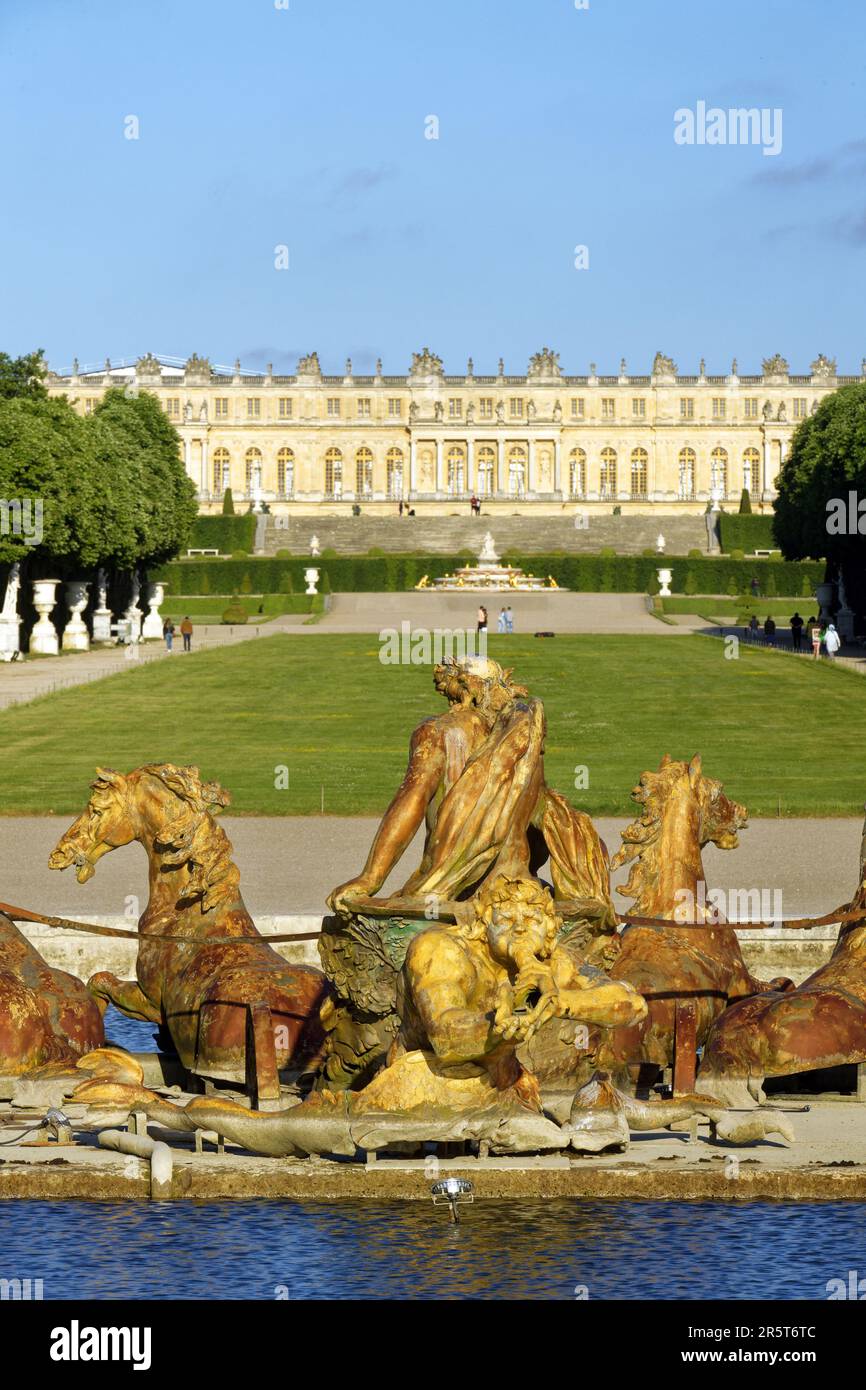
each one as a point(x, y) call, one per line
point(235, 613)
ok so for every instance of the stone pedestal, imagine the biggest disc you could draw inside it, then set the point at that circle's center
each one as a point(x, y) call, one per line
point(10, 638)
point(75, 635)
point(664, 577)
point(43, 638)
point(312, 578)
point(133, 618)
point(102, 625)
point(152, 626)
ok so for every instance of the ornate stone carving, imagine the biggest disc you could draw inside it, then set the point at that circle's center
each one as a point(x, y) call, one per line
point(664, 366)
point(197, 370)
point(426, 364)
point(544, 366)
point(148, 368)
point(775, 366)
point(309, 366)
point(824, 368)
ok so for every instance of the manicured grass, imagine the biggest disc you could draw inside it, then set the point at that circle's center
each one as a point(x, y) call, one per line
point(732, 608)
point(782, 734)
point(209, 608)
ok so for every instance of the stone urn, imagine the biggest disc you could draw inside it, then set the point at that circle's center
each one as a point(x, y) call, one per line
point(43, 638)
point(665, 577)
point(312, 578)
point(826, 595)
point(152, 626)
point(76, 638)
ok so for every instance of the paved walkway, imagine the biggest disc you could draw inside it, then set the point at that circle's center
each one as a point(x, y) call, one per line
point(290, 863)
point(547, 611)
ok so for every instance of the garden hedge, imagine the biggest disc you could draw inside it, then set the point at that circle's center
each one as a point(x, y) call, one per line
point(746, 533)
point(582, 573)
point(223, 533)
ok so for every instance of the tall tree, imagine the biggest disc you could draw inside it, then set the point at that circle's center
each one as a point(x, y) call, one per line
point(22, 376)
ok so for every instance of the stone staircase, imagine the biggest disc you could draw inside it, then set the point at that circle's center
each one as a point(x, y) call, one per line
point(454, 535)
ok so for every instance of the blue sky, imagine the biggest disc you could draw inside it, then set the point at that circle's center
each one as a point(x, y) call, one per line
point(305, 127)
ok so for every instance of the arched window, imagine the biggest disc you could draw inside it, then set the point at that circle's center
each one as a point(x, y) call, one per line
point(253, 466)
point(486, 470)
point(456, 460)
point(719, 471)
point(333, 473)
point(752, 470)
point(687, 475)
point(364, 473)
point(285, 472)
point(394, 471)
point(577, 473)
point(517, 471)
point(608, 474)
point(221, 469)
point(639, 462)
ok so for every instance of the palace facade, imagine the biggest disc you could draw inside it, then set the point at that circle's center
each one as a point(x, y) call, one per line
point(664, 442)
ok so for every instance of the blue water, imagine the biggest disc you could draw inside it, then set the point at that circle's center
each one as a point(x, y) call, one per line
point(399, 1250)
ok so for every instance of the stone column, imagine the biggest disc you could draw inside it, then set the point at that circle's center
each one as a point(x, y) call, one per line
point(205, 481)
point(557, 467)
point(439, 480)
point(768, 464)
point(470, 466)
point(501, 466)
point(413, 468)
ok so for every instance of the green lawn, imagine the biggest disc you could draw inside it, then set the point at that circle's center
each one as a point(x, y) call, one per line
point(732, 610)
point(782, 734)
point(209, 608)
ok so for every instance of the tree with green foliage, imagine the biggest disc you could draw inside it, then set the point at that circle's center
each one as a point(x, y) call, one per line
point(228, 503)
point(22, 376)
point(745, 502)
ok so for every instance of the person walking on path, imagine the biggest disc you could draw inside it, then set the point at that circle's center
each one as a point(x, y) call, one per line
point(797, 632)
point(752, 629)
point(168, 633)
point(755, 587)
point(769, 632)
point(815, 637)
point(509, 619)
point(482, 619)
point(832, 642)
point(186, 633)
point(502, 621)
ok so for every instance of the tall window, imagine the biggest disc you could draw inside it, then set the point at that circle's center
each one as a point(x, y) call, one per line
point(395, 407)
point(608, 473)
point(456, 461)
point(221, 407)
point(515, 407)
point(333, 405)
point(639, 461)
point(285, 472)
point(750, 408)
point(719, 471)
point(485, 408)
point(364, 405)
point(577, 407)
point(394, 472)
point(333, 473)
point(253, 467)
point(172, 407)
point(285, 407)
point(720, 406)
point(221, 469)
point(577, 473)
point(687, 475)
point(638, 407)
point(800, 410)
point(687, 407)
point(254, 407)
point(752, 470)
point(517, 471)
point(364, 473)
point(486, 470)
point(608, 408)
point(455, 408)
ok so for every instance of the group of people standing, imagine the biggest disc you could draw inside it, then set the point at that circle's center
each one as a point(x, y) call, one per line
point(168, 631)
point(505, 622)
point(823, 637)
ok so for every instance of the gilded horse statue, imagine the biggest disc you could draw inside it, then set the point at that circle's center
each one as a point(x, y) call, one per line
point(698, 956)
point(821, 1023)
point(201, 994)
point(46, 1015)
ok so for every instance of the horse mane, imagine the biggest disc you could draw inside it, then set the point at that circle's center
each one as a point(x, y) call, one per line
point(192, 836)
point(642, 838)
